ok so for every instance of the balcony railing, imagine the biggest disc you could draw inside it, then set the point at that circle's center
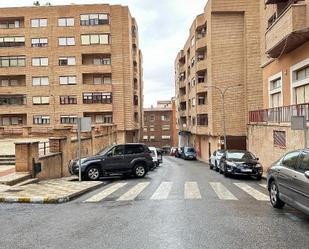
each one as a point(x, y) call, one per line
point(279, 114)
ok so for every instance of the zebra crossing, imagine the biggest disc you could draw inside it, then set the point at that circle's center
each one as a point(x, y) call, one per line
point(125, 191)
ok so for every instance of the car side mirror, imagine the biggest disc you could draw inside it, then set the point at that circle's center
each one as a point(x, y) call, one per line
point(307, 174)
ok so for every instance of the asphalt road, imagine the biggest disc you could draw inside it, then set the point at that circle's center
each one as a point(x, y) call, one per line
point(180, 205)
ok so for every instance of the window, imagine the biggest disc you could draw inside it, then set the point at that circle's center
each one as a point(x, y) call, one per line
point(300, 82)
point(102, 79)
point(67, 80)
point(193, 102)
point(165, 117)
point(102, 61)
point(68, 119)
point(118, 150)
point(40, 62)
point(304, 163)
point(97, 98)
point(133, 149)
point(40, 100)
point(66, 41)
point(68, 100)
point(9, 82)
point(152, 128)
point(104, 118)
point(93, 39)
point(201, 100)
point(41, 119)
point(279, 139)
point(66, 22)
point(275, 89)
point(291, 159)
point(39, 42)
point(12, 41)
point(145, 137)
point(166, 127)
point(145, 129)
point(152, 137)
point(11, 24)
point(135, 100)
point(13, 100)
point(67, 61)
point(202, 119)
point(94, 19)
point(166, 137)
point(192, 41)
point(12, 61)
point(36, 23)
point(152, 117)
point(40, 81)
point(12, 121)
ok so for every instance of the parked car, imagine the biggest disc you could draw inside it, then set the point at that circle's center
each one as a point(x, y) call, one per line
point(188, 153)
point(156, 156)
point(240, 162)
point(214, 160)
point(173, 151)
point(127, 159)
point(288, 181)
point(178, 152)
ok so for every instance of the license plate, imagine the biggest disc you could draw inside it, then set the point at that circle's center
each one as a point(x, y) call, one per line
point(246, 170)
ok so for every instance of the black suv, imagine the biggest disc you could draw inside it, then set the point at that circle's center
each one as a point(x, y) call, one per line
point(127, 159)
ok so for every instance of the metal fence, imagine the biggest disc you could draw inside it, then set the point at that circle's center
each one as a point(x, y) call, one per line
point(279, 114)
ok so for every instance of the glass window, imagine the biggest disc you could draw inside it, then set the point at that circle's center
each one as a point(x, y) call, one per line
point(62, 41)
point(291, 159)
point(71, 41)
point(61, 22)
point(71, 61)
point(118, 150)
point(35, 23)
point(304, 163)
point(94, 39)
point(133, 149)
point(85, 39)
point(104, 39)
point(43, 22)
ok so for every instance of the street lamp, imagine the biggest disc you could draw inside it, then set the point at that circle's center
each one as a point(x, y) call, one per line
point(222, 94)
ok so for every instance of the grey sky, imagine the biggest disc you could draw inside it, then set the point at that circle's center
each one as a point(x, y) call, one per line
point(163, 29)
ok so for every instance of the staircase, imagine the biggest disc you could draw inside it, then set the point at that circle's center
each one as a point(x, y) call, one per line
point(7, 160)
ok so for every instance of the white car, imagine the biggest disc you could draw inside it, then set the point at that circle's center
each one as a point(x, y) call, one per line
point(214, 160)
point(156, 156)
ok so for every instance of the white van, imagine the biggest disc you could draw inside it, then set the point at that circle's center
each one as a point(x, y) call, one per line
point(156, 156)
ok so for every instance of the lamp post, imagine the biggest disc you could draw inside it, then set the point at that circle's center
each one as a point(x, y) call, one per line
point(222, 92)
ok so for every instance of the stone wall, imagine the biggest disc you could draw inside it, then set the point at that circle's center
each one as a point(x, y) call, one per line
point(261, 142)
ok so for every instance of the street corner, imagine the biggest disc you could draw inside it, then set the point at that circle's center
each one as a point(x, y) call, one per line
point(54, 191)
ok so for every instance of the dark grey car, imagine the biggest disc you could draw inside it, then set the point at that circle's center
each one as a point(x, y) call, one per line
point(126, 159)
point(288, 181)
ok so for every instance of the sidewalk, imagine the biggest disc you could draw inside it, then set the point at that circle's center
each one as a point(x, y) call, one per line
point(6, 170)
point(50, 191)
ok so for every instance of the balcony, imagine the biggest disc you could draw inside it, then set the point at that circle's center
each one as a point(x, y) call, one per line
point(12, 81)
point(13, 119)
point(288, 31)
point(201, 109)
point(201, 65)
point(10, 100)
point(97, 79)
point(183, 113)
point(202, 130)
point(201, 87)
point(201, 43)
point(279, 114)
point(183, 98)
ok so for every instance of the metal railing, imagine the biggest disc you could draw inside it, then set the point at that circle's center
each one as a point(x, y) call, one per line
point(279, 114)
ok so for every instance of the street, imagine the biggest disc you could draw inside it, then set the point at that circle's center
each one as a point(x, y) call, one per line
point(181, 205)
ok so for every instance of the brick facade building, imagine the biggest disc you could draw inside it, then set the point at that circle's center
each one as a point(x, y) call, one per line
point(222, 51)
point(285, 65)
point(159, 126)
point(58, 63)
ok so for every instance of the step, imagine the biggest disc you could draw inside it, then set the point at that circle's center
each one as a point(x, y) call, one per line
point(7, 156)
point(7, 159)
point(5, 163)
point(28, 181)
point(14, 178)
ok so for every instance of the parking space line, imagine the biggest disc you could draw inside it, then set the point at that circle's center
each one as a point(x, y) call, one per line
point(106, 192)
point(133, 192)
point(162, 191)
point(222, 192)
point(192, 191)
point(253, 192)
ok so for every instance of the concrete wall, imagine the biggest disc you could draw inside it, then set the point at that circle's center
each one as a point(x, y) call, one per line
point(51, 166)
point(261, 142)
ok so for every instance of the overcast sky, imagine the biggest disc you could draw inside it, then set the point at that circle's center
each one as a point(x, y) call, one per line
point(163, 29)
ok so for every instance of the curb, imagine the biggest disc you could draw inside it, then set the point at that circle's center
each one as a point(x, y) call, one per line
point(47, 200)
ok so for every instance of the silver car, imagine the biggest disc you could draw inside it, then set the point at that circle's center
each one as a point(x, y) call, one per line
point(288, 181)
point(214, 160)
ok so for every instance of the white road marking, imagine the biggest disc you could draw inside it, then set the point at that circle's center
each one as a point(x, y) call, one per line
point(253, 192)
point(106, 192)
point(222, 192)
point(163, 191)
point(263, 185)
point(133, 192)
point(192, 191)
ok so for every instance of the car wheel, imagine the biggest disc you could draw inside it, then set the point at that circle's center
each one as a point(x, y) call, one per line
point(93, 173)
point(275, 201)
point(259, 177)
point(210, 165)
point(225, 173)
point(140, 170)
point(220, 170)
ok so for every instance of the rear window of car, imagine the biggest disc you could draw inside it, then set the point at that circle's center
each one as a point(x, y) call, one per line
point(189, 149)
point(134, 149)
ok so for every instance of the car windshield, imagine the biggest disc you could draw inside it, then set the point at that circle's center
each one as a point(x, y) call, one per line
point(238, 156)
point(189, 149)
point(105, 150)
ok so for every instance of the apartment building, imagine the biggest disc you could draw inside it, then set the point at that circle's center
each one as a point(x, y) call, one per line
point(159, 125)
point(222, 53)
point(58, 63)
point(285, 65)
